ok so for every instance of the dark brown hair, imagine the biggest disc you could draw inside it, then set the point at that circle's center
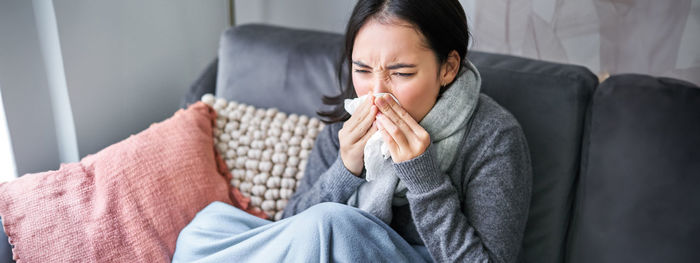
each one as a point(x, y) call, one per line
point(443, 24)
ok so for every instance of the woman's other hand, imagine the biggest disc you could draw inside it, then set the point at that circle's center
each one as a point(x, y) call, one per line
point(355, 133)
point(404, 136)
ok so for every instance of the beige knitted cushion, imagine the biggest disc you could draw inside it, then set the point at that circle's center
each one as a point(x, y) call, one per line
point(265, 149)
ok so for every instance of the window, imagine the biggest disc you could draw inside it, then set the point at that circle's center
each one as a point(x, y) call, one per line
point(7, 163)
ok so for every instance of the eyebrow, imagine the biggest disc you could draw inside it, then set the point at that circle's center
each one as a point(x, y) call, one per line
point(390, 67)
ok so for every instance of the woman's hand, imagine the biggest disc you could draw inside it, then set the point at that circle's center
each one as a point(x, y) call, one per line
point(404, 136)
point(355, 133)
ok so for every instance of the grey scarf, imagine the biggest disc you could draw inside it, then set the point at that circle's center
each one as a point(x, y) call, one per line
point(446, 127)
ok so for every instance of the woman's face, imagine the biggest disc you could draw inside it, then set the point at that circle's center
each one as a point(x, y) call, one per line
point(393, 58)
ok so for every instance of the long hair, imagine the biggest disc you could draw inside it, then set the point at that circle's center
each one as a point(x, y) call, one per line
point(442, 23)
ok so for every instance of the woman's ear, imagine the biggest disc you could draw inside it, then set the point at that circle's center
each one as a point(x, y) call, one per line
point(449, 69)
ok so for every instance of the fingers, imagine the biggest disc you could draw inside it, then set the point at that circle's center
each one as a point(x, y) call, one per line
point(398, 115)
point(404, 136)
point(362, 118)
point(368, 134)
point(390, 142)
point(361, 111)
point(399, 112)
point(364, 124)
point(365, 106)
point(393, 132)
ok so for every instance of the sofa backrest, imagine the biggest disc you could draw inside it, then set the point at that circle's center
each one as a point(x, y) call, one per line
point(638, 198)
point(269, 66)
point(290, 69)
point(550, 101)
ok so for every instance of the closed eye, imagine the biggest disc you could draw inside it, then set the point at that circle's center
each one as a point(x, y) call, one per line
point(403, 74)
point(361, 71)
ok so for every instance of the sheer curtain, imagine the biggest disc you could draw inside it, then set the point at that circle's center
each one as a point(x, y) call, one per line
point(659, 38)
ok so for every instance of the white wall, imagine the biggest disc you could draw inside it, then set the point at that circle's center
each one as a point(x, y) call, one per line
point(323, 15)
point(127, 64)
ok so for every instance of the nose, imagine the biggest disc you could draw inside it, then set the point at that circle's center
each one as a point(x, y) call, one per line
point(379, 85)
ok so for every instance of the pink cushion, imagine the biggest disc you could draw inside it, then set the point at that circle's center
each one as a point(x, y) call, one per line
point(125, 203)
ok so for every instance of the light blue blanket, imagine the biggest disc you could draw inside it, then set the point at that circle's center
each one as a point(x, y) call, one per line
point(327, 232)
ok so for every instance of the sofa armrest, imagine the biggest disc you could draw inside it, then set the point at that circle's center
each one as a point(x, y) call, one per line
point(206, 83)
point(5, 248)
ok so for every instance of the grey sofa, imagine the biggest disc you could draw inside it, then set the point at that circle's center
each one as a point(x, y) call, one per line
point(616, 165)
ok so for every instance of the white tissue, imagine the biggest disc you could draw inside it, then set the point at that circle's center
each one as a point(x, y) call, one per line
point(352, 104)
point(376, 140)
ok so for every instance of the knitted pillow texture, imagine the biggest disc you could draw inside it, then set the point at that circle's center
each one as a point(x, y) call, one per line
point(126, 203)
point(265, 150)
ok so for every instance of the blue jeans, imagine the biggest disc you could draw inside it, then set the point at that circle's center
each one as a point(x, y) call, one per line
point(327, 232)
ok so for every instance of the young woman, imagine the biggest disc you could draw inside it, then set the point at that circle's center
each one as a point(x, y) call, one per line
point(456, 186)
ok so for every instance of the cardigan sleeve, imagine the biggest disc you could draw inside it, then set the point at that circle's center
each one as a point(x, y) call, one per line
point(489, 225)
point(325, 178)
